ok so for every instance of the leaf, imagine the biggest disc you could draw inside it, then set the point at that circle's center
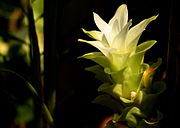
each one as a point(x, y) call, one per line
point(108, 101)
point(143, 47)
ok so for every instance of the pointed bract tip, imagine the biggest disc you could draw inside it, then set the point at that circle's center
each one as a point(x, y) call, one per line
point(83, 30)
point(80, 40)
point(123, 5)
point(94, 14)
point(154, 17)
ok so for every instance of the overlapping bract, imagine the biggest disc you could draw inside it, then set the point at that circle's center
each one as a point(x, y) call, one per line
point(120, 60)
point(118, 53)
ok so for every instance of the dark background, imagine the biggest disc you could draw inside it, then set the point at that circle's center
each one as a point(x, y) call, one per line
point(76, 88)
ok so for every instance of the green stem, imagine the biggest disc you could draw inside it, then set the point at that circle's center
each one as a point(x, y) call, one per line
point(35, 53)
point(35, 63)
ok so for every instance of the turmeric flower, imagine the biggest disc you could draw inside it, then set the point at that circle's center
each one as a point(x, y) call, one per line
point(115, 40)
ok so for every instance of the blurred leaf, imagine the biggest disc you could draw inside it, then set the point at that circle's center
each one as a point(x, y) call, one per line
point(38, 8)
point(34, 50)
point(4, 48)
point(25, 112)
point(1, 60)
point(40, 34)
point(8, 6)
point(47, 114)
point(52, 102)
point(22, 33)
point(11, 37)
point(42, 62)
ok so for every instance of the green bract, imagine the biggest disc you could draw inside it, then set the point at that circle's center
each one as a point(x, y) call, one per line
point(127, 80)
